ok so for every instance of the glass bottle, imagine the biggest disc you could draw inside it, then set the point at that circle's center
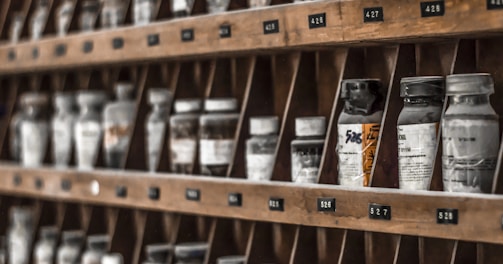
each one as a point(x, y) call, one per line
point(39, 19)
point(34, 130)
point(160, 99)
point(69, 251)
point(417, 130)
point(118, 118)
point(64, 15)
point(3, 250)
point(19, 234)
point(16, 27)
point(88, 131)
point(112, 258)
point(158, 253)
point(258, 3)
point(182, 8)
point(113, 13)
point(358, 130)
point(184, 129)
point(15, 128)
point(191, 252)
point(144, 11)
point(307, 148)
point(217, 135)
point(97, 246)
point(217, 6)
point(470, 134)
point(261, 148)
point(232, 260)
point(62, 125)
point(45, 248)
point(88, 15)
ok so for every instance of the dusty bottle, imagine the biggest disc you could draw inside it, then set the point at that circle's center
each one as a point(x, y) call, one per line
point(160, 99)
point(258, 3)
point(39, 19)
point(88, 131)
point(112, 258)
point(45, 248)
point(307, 148)
point(181, 8)
point(358, 130)
point(144, 11)
point(470, 134)
point(97, 246)
point(261, 148)
point(88, 15)
point(232, 260)
point(158, 253)
point(15, 128)
point(20, 232)
point(16, 27)
point(192, 252)
point(64, 15)
point(418, 124)
point(184, 130)
point(62, 128)
point(118, 118)
point(34, 130)
point(217, 135)
point(113, 13)
point(69, 251)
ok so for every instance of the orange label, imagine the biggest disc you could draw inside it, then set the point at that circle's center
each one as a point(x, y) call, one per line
point(370, 136)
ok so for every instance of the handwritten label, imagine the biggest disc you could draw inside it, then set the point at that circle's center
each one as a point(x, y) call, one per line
point(11, 55)
point(379, 212)
point(88, 47)
point(118, 43)
point(326, 204)
point(494, 4)
point(276, 204)
point(373, 14)
point(271, 26)
point(39, 183)
point(193, 194)
point(153, 40)
point(17, 180)
point(121, 191)
point(225, 31)
point(187, 35)
point(35, 53)
point(154, 193)
point(60, 50)
point(447, 216)
point(431, 9)
point(317, 20)
point(235, 199)
point(66, 185)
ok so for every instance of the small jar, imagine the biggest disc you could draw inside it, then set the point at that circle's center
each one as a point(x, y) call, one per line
point(307, 148)
point(184, 130)
point(89, 15)
point(112, 258)
point(158, 253)
point(181, 8)
point(144, 11)
point(69, 251)
point(417, 130)
point(97, 246)
point(358, 130)
point(191, 252)
point(39, 19)
point(261, 148)
point(470, 134)
point(64, 15)
point(232, 260)
point(155, 128)
point(19, 234)
point(88, 131)
point(113, 13)
point(16, 27)
point(217, 6)
point(45, 248)
point(217, 135)
point(62, 125)
point(34, 129)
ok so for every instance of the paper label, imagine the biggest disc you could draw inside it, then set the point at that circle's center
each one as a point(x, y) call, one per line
point(259, 167)
point(33, 143)
point(183, 150)
point(62, 140)
point(155, 136)
point(215, 151)
point(117, 136)
point(88, 138)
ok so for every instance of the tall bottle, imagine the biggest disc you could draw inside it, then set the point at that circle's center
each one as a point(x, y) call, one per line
point(418, 124)
point(62, 125)
point(470, 134)
point(34, 130)
point(15, 128)
point(64, 14)
point(358, 130)
point(261, 148)
point(16, 27)
point(160, 99)
point(113, 13)
point(69, 251)
point(88, 15)
point(97, 246)
point(20, 232)
point(182, 8)
point(307, 148)
point(45, 248)
point(39, 19)
point(144, 11)
point(118, 118)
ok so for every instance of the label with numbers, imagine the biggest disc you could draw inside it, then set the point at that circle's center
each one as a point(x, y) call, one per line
point(39, 183)
point(271, 26)
point(431, 9)
point(87, 47)
point(187, 35)
point(193, 195)
point(17, 180)
point(225, 31)
point(381, 212)
point(153, 40)
point(12, 55)
point(326, 204)
point(235, 199)
point(66, 185)
point(447, 216)
point(373, 14)
point(121, 191)
point(60, 50)
point(154, 193)
point(118, 43)
point(35, 53)
point(317, 20)
point(276, 204)
point(494, 4)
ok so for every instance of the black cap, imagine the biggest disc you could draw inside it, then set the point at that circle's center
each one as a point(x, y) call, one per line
point(422, 86)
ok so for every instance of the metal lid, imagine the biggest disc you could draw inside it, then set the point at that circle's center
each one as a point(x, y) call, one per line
point(64, 99)
point(73, 237)
point(469, 84)
point(34, 98)
point(220, 104)
point(349, 85)
point(159, 96)
point(112, 258)
point(91, 98)
point(21, 214)
point(124, 90)
point(98, 242)
point(191, 250)
point(310, 126)
point(264, 125)
point(159, 252)
point(422, 86)
point(49, 232)
point(188, 105)
point(231, 260)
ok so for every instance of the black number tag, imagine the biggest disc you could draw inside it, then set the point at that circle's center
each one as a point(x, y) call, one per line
point(121, 191)
point(317, 20)
point(380, 212)
point(39, 183)
point(276, 204)
point(154, 193)
point(447, 216)
point(87, 47)
point(225, 31)
point(235, 199)
point(60, 50)
point(193, 195)
point(373, 14)
point(12, 55)
point(494, 4)
point(187, 35)
point(66, 185)
point(326, 204)
point(118, 43)
point(271, 26)
point(153, 40)
point(431, 9)
point(17, 180)
point(35, 53)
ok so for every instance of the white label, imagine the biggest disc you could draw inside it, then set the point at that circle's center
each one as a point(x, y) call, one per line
point(416, 154)
point(33, 142)
point(183, 150)
point(155, 136)
point(349, 150)
point(259, 167)
point(215, 151)
point(62, 139)
point(88, 138)
point(470, 154)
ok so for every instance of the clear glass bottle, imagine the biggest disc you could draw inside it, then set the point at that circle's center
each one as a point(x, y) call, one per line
point(88, 130)
point(232, 260)
point(470, 134)
point(64, 15)
point(113, 13)
point(258, 3)
point(144, 11)
point(358, 130)
point(89, 15)
point(97, 246)
point(184, 129)
point(261, 148)
point(217, 6)
point(418, 124)
point(16, 27)
point(182, 8)
point(160, 99)
point(62, 126)
point(34, 130)
point(15, 128)
point(158, 253)
point(19, 234)
point(45, 248)
point(191, 252)
point(39, 19)
point(307, 148)
point(217, 135)
point(118, 118)
point(112, 258)
point(69, 251)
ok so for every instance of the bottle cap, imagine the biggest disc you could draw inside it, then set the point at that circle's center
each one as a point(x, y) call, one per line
point(310, 126)
point(231, 260)
point(469, 84)
point(73, 237)
point(98, 242)
point(265, 125)
point(64, 99)
point(112, 258)
point(124, 90)
point(91, 98)
point(187, 105)
point(158, 252)
point(361, 95)
point(352, 87)
point(34, 98)
point(159, 96)
point(20, 214)
point(49, 232)
point(191, 250)
point(220, 104)
point(422, 86)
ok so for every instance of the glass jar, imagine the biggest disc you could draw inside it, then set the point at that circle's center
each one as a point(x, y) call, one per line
point(69, 251)
point(112, 258)
point(34, 129)
point(15, 128)
point(417, 130)
point(45, 248)
point(258, 3)
point(181, 8)
point(184, 129)
point(158, 253)
point(16, 27)
point(307, 148)
point(88, 131)
point(261, 148)
point(88, 15)
point(217, 6)
point(144, 11)
point(97, 246)
point(358, 130)
point(470, 134)
point(232, 260)
point(118, 118)
point(62, 125)
point(39, 19)
point(19, 234)
point(113, 13)
point(155, 128)
point(191, 252)
point(217, 135)
point(64, 15)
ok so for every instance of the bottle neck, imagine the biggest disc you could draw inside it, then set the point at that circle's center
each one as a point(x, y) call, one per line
point(160, 108)
point(422, 101)
point(34, 111)
point(478, 99)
